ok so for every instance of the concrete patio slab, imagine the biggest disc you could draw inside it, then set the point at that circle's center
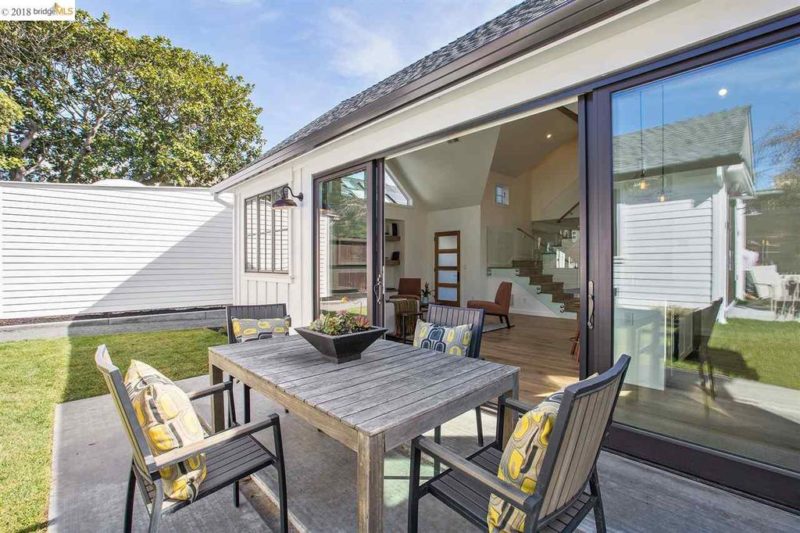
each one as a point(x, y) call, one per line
point(91, 457)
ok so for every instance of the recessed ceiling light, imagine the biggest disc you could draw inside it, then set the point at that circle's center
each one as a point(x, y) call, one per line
point(549, 135)
point(722, 92)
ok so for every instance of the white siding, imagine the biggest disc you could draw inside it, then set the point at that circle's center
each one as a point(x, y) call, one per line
point(665, 249)
point(79, 249)
point(637, 35)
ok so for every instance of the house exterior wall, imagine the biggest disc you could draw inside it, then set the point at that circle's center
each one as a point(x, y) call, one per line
point(83, 249)
point(637, 35)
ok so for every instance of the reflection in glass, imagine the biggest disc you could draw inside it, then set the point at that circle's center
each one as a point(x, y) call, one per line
point(343, 244)
point(707, 255)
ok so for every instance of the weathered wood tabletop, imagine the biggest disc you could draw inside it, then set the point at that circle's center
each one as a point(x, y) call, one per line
point(394, 393)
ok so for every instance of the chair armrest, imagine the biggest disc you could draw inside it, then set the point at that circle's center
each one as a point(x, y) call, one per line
point(184, 452)
point(518, 406)
point(219, 387)
point(508, 492)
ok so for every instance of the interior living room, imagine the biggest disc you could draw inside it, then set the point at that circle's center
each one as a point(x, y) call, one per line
point(491, 219)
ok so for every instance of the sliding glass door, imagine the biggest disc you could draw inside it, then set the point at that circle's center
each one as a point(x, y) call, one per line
point(697, 262)
point(347, 279)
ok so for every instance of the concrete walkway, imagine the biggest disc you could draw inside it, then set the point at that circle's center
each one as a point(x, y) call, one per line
point(92, 456)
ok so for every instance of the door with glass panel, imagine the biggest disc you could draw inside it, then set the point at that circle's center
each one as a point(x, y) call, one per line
point(447, 267)
point(345, 248)
point(704, 228)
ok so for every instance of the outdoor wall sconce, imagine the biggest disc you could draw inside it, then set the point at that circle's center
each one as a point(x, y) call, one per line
point(286, 202)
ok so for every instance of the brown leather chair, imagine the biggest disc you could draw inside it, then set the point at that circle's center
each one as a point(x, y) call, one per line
point(409, 289)
point(499, 307)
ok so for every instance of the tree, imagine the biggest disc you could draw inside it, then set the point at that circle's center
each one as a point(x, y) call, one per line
point(97, 103)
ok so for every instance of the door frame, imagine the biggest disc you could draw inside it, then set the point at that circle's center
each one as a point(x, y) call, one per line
point(456, 269)
point(373, 196)
point(769, 483)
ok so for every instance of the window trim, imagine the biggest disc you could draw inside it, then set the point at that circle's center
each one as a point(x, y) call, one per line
point(255, 201)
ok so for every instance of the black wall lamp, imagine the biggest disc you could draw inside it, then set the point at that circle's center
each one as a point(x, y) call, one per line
point(286, 202)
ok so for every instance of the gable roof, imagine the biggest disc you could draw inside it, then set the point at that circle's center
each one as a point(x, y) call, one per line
point(512, 19)
point(715, 139)
point(525, 26)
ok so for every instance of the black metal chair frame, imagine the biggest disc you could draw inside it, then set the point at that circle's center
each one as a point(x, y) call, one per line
point(465, 478)
point(444, 315)
point(256, 312)
point(239, 453)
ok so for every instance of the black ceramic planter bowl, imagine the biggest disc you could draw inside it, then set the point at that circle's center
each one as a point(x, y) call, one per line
point(341, 348)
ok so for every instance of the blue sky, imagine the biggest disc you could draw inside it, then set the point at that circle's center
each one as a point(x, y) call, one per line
point(303, 56)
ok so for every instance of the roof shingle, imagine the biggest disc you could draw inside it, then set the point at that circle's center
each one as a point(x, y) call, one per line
point(722, 137)
point(514, 18)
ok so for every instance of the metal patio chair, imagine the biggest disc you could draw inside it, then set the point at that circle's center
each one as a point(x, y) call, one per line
point(567, 487)
point(444, 315)
point(256, 312)
point(231, 455)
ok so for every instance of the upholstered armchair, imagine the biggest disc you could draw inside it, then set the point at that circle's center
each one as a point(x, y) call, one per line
point(499, 307)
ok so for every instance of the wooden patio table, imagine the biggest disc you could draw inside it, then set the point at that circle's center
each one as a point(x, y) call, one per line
point(389, 396)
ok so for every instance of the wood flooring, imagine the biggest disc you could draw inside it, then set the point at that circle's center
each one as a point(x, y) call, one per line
point(540, 347)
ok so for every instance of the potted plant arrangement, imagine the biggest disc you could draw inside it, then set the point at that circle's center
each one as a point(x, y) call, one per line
point(426, 294)
point(341, 337)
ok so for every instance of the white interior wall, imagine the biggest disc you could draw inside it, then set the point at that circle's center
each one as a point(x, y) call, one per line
point(555, 183)
point(634, 36)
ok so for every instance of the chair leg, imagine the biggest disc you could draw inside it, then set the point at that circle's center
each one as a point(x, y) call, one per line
point(231, 406)
point(599, 515)
point(437, 438)
point(129, 501)
point(413, 490)
point(246, 403)
point(508, 323)
point(479, 420)
point(501, 413)
point(155, 515)
point(236, 494)
point(280, 466)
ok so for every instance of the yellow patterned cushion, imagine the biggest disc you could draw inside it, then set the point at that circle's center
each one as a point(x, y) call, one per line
point(168, 419)
point(521, 462)
point(450, 340)
point(251, 329)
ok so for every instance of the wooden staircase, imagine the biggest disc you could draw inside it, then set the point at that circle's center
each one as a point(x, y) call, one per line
point(532, 269)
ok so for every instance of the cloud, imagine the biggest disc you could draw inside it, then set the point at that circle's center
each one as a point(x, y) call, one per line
point(359, 49)
point(369, 43)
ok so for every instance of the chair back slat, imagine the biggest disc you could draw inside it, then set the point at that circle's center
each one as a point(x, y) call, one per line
point(251, 311)
point(581, 425)
point(445, 315)
point(142, 457)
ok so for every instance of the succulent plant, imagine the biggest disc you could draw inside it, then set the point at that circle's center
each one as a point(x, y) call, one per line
point(339, 323)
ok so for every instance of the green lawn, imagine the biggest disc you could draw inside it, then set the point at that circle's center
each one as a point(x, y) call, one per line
point(36, 375)
point(768, 352)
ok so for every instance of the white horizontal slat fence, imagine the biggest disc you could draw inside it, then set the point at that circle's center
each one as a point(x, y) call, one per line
point(84, 249)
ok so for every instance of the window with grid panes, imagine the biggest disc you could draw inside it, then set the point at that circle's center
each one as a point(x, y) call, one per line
point(266, 234)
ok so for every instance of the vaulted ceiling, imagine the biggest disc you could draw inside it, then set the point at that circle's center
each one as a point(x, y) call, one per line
point(453, 173)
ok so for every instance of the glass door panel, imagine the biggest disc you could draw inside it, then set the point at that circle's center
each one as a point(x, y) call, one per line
point(342, 250)
point(706, 255)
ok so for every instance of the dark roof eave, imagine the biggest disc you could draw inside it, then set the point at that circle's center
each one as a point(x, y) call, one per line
point(551, 26)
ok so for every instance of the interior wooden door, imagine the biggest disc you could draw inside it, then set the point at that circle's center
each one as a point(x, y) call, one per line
point(447, 267)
